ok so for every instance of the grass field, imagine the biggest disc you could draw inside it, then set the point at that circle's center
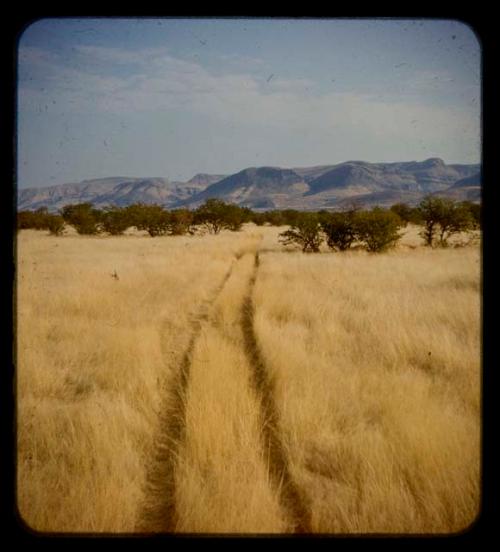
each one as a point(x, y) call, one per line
point(227, 384)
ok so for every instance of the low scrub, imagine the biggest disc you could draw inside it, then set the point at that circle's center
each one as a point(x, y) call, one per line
point(378, 229)
point(306, 232)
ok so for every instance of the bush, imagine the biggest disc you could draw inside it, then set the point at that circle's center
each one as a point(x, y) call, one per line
point(274, 218)
point(28, 220)
point(40, 220)
point(152, 218)
point(341, 228)
point(215, 215)
point(291, 217)
point(406, 213)
point(306, 232)
point(134, 214)
point(378, 229)
point(83, 217)
point(180, 221)
point(454, 219)
point(55, 225)
point(115, 220)
point(35, 220)
point(475, 213)
point(235, 217)
point(442, 218)
point(430, 212)
point(259, 218)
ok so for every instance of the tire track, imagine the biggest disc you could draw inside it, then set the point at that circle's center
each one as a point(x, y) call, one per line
point(292, 500)
point(159, 509)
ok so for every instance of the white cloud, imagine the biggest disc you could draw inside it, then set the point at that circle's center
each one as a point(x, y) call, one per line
point(163, 82)
point(241, 59)
point(118, 55)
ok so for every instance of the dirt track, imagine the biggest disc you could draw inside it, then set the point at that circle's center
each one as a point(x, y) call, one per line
point(228, 315)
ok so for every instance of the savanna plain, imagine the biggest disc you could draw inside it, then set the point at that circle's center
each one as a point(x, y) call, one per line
point(230, 384)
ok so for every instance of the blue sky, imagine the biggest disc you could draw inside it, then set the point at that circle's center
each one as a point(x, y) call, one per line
point(174, 97)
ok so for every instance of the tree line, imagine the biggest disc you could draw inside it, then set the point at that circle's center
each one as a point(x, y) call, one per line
point(214, 215)
point(377, 229)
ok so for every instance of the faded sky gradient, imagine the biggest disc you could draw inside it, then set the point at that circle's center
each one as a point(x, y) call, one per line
point(174, 97)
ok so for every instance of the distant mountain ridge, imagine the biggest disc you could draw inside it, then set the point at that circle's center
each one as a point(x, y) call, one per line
point(118, 191)
point(261, 188)
point(330, 186)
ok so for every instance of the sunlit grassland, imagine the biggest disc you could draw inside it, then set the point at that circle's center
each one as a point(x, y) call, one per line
point(376, 364)
point(373, 360)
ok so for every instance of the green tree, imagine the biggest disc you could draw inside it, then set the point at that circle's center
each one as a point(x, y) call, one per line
point(475, 212)
point(235, 216)
point(274, 218)
point(83, 217)
point(341, 228)
point(150, 217)
point(306, 232)
point(24, 220)
point(36, 220)
point(292, 217)
point(442, 218)
point(134, 214)
point(115, 220)
point(259, 218)
point(55, 225)
point(212, 215)
point(406, 213)
point(180, 222)
point(431, 211)
point(455, 218)
point(379, 229)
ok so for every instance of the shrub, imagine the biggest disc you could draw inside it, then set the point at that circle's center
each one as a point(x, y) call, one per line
point(455, 218)
point(134, 214)
point(115, 220)
point(443, 217)
point(213, 215)
point(306, 232)
point(291, 217)
point(378, 229)
point(36, 220)
point(430, 209)
point(406, 213)
point(180, 221)
point(152, 218)
point(55, 225)
point(259, 218)
point(341, 228)
point(26, 220)
point(234, 217)
point(83, 217)
point(475, 213)
point(274, 218)
point(247, 214)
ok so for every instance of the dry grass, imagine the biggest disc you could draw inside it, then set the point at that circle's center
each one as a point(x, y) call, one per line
point(92, 368)
point(380, 435)
point(222, 478)
point(376, 367)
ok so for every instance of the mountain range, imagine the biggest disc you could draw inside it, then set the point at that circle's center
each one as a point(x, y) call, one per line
point(264, 188)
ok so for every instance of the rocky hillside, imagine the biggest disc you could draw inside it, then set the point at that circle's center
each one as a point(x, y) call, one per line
point(118, 191)
point(329, 186)
point(261, 188)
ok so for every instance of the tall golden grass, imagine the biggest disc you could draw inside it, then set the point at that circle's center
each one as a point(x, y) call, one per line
point(376, 364)
point(373, 362)
point(92, 369)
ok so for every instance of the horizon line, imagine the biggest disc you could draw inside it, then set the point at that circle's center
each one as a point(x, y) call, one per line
point(21, 187)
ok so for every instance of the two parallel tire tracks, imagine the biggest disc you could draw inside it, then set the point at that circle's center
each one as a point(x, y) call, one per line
point(159, 512)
